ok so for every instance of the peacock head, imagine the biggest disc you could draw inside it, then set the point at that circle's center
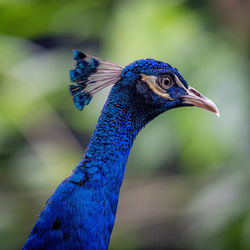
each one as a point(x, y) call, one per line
point(159, 84)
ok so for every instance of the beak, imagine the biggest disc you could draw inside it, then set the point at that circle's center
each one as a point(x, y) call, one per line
point(195, 98)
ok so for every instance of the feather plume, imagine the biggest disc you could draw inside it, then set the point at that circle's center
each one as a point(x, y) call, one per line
point(90, 75)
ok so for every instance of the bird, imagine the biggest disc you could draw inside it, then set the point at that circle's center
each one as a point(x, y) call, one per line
point(81, 212)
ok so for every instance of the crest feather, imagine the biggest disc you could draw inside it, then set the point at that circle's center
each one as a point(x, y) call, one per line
point(90, 75)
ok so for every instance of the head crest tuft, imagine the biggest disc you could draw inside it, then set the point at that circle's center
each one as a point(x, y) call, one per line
point(90, 75)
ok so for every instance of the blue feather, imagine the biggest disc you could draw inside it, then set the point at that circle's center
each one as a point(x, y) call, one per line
point(86, 83)
point(83, 70)
point(81, 99)
point(78, 55)
point(75, 89)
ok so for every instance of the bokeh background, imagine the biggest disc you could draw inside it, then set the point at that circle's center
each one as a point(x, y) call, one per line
point(187, 179)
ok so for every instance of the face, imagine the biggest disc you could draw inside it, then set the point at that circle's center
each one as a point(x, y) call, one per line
point(164, 88)
point(161, 86)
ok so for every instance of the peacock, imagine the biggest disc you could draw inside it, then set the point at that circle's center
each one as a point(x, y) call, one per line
point(81, 212)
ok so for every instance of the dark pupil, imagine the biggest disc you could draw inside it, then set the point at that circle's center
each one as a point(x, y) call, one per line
point(167, 81)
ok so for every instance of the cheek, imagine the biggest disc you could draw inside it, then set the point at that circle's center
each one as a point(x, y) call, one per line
point(142, 88)
point(176, 92)
point(173, 104)
point(149, 97)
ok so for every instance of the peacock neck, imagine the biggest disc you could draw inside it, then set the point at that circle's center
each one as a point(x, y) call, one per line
point(99, 175)
point(122, 117)
point(81, 212)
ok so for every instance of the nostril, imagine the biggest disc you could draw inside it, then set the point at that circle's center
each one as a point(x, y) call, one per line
point(194, 91)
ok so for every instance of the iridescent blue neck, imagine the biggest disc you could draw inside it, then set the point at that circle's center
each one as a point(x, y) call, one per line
point(102, 167)
point(81, 212)
point(120, 121)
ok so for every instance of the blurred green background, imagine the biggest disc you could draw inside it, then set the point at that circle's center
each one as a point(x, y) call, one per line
point(187, 179)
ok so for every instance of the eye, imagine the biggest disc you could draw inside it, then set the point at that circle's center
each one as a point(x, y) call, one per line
point(166, 82)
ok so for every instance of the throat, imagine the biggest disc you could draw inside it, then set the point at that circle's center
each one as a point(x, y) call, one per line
point(91, 193)
point(121, 119)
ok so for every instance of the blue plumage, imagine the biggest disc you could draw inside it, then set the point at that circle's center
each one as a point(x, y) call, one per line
point(80, 75)
point(81, 212)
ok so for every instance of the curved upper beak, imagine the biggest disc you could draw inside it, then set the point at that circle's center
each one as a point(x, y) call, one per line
point(195, 98)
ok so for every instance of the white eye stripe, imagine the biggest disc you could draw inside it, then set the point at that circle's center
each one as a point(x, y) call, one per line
point(179, 83)
point(153, 85)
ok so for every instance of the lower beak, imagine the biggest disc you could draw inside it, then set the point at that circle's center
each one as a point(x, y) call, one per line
point(197, 99)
